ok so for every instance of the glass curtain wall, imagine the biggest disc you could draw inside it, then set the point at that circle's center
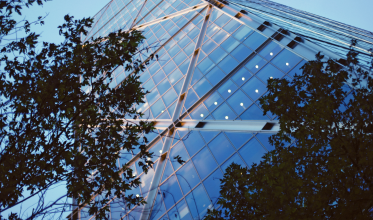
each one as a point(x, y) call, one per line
point(213, 65)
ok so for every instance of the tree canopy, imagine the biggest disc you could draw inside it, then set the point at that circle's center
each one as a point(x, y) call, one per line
point(61, 120)
point(322, 165)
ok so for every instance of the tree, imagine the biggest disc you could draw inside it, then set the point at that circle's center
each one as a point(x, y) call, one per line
point(53, 131)
point(326, 115)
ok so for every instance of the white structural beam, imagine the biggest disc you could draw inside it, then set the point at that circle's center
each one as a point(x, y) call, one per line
point(159, 170)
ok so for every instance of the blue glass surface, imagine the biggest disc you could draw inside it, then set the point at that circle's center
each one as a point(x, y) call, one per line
point(255, 40)
point(193, 142)
point(269, 72)
point(271, 50)
point(152, 96)
point(154, 68)
point(212, 186)
point(205, 65)
point(212, 29)
point(199, 113)
point(254, 88)
point(167, 171)
point(158, 77)
point(178, 86)
point(208, 46)
point(228, 64)
point(253, 113)
point(297, 70)
point(202, 87)
point(188, 177)
point(158, 208)
point(190, 48)
point(252, 152)
point(169, 97)
point(178, 150)
point(220, 36)
point(241, 76)
point(213, 101)
point(146, 180)
point(163, 86)
point(242, 33)
point(157, 150)
point(198, 202)
point(230, 44)
point(215, 75)
point(149, 85)
point(171, 192)
point(238, 138)
point(255, 64)
point(222, 20)
point(221, 148)
point(190, 99)
point(217, 55)
point(180, 212)
point(204, 162)
point(175, 76)
point(263, 138)
point(239, 102)
point(241, 52)
point(179, 58)
point(286, 60)
point(227, 89)
point(231, 26)
point(196, 76)
point(157, 108)
point(224, 113)
point(234, 159)
point(184, 66)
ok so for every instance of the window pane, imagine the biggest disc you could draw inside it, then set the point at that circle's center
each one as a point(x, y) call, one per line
point(204, 162)
point(270, 50)
point(241, 76)
point(254, 88)
point(253, 113)
point(221, 148)
point(255, 64)
point(157, 108)
point(178, 150)
point(227, 89)
point(213, 101)
point(239, 102)
point(224, 113)
point(171, 192)
point(180, 212)
point(217, 55)
point(255, 40)
point(252, 152)
point(269, 72)
point(215, 75)
point(198, 200)
point(238, 138)
point(286, 60)
point(187, 177)
point(193, 143)
point(241, 52)
point(228, 64)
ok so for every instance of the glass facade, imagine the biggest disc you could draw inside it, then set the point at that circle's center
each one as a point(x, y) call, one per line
point(213, 64)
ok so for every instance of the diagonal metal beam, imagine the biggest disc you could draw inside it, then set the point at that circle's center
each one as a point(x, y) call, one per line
point(161, 164)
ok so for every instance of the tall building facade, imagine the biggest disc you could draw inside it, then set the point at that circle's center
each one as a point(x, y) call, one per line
point(214, 60)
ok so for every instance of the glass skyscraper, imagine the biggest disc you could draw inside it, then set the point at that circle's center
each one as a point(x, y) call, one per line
point(215, 58)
